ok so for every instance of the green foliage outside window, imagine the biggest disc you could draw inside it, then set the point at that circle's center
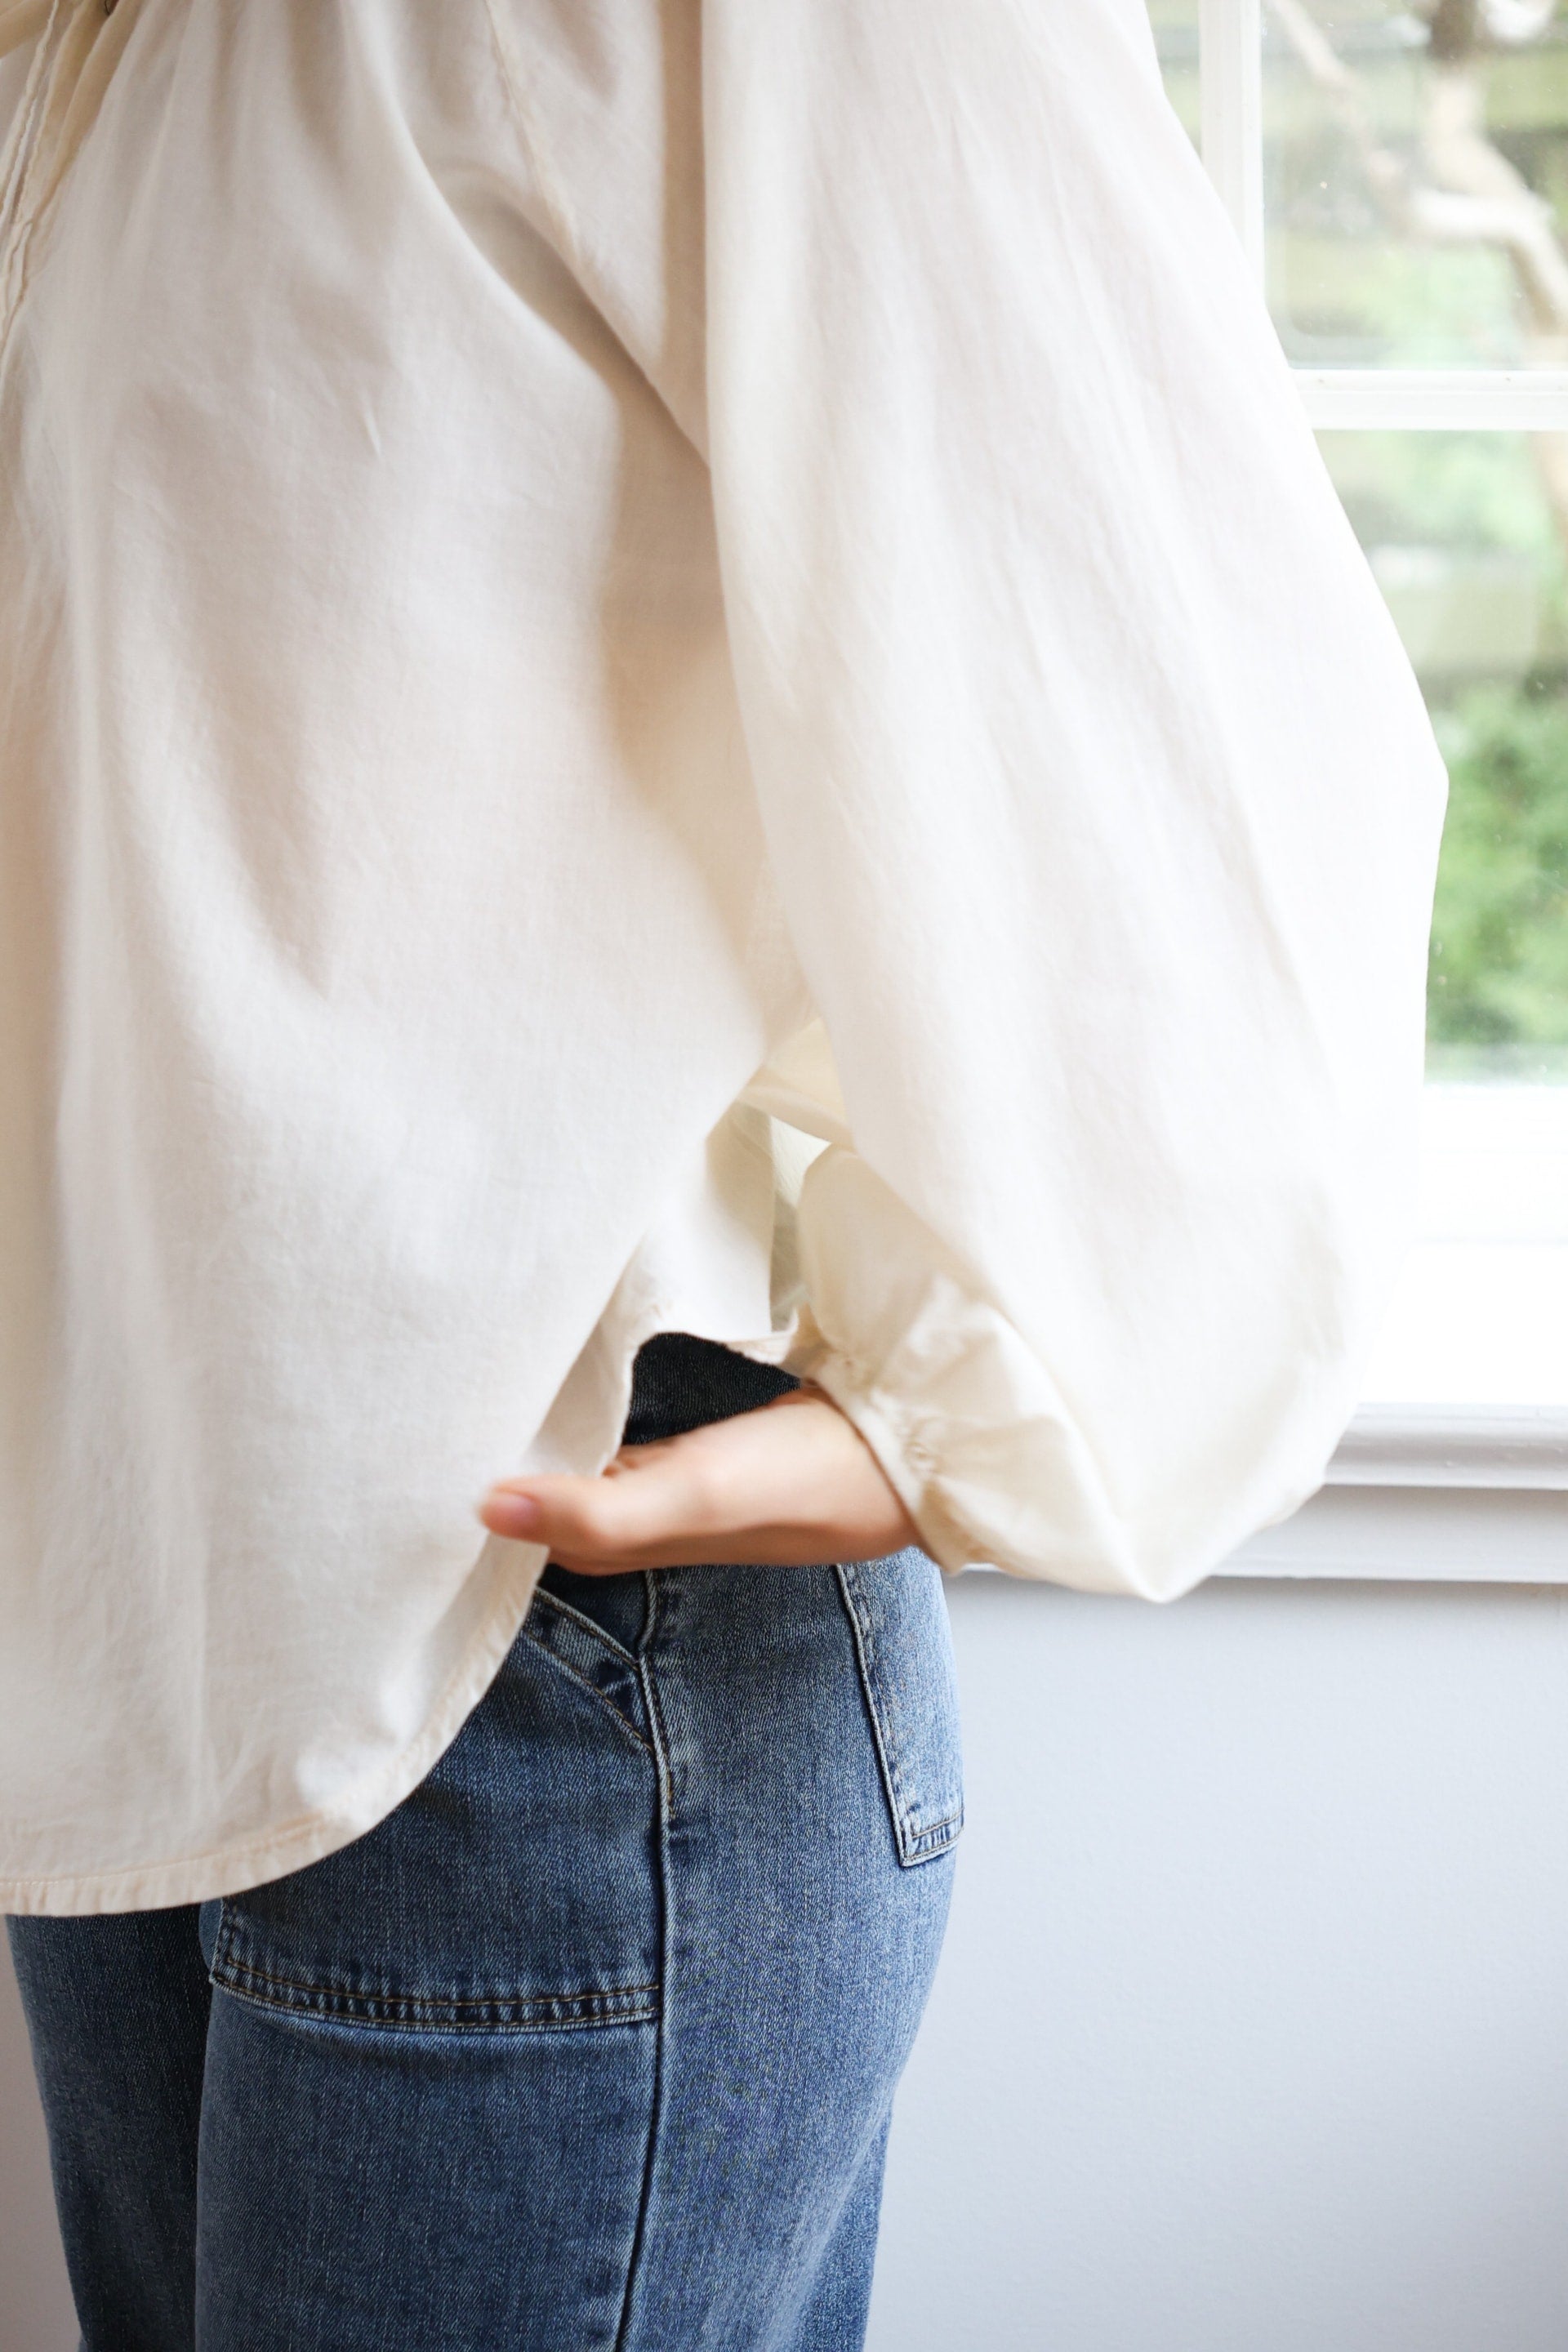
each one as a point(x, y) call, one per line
point(1499, 973)
point(1471, 510)
point(1416, 194)
point(1466, 531)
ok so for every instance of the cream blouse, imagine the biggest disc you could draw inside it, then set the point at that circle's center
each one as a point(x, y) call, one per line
point(591, 599)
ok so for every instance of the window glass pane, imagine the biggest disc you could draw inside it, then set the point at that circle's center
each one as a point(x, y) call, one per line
point(1416, 181)
point(1175, 23)
point(1467, 534)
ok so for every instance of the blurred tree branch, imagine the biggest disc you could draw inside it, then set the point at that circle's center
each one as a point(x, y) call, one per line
point(1459, 189)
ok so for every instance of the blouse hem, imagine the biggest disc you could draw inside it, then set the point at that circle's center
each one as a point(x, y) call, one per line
point(232, 1868)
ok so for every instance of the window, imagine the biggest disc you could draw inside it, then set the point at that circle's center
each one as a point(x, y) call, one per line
point(1399, 176)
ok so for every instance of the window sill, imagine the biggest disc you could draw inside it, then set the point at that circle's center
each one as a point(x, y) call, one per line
point(1484, 1447)
point(1432, 1494)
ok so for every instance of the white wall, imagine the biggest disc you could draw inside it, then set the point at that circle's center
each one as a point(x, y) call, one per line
point(1252, 2030)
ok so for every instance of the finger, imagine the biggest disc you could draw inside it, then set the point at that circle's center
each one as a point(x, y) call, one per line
point(791, 1485)
point(653, 1499)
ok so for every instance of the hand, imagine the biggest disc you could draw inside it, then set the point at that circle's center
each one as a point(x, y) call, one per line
point(788, 1486)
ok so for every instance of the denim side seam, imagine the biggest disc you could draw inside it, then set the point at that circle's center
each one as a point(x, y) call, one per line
point(916, 1842)
point(665, 1799)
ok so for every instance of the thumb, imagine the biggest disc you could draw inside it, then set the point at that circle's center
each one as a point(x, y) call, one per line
point(639, 1504)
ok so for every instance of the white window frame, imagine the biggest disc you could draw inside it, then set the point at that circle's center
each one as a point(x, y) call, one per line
point(1347, 400)
point(1444, 1493)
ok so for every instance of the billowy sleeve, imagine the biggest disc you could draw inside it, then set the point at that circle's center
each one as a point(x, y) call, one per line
point(1099, 793)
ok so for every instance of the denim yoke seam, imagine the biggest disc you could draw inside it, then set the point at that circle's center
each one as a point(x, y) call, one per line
point(335, 1999)
point(915, 1843)
point(544, 1599)
point(653, 1583)
point(582, 1682)
point(500, 2012)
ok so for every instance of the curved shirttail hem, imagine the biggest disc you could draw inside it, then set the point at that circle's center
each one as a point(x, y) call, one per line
point(229, 1870)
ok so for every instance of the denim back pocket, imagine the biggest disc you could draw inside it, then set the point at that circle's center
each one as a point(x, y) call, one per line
point(904, 1649)
point(514, 1891)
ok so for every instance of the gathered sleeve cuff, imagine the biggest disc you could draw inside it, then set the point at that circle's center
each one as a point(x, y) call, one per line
point(973, 1431)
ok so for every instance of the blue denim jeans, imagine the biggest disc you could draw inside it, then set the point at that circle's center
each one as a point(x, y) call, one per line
point(592, 2042)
